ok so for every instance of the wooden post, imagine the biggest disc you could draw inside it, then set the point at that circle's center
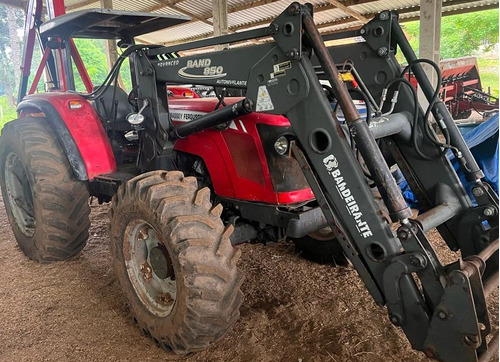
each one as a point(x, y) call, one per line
point(219, 10)
point(111, 52)
point(430, 37)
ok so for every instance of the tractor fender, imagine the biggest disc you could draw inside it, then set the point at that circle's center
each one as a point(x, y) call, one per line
point(78, 128)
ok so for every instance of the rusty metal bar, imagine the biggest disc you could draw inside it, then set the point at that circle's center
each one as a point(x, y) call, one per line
point(358, 127)
point(487, 252)
point(348, 108)
point(492, 350)
point(435, 217)
point(491, 284)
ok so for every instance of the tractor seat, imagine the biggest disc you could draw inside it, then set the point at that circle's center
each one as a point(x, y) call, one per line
point(121, 108)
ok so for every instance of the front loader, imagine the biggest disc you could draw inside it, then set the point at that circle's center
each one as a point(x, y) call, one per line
point(189, 178)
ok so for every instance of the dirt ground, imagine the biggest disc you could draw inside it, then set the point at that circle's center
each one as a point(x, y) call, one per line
point(294, 310)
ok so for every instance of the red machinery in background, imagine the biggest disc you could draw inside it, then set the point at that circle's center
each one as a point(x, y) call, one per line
point(461, 88)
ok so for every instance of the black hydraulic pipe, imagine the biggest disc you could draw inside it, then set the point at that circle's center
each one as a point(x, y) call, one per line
point(471, 169)
point(358, 127)
point(214, 118)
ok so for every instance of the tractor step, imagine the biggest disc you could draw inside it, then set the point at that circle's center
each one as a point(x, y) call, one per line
point(105, 186)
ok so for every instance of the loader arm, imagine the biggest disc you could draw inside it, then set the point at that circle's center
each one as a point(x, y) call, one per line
point(445, 313)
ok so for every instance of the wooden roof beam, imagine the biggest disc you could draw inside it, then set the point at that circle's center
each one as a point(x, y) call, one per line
point(411, 10)
point(317, 9)
point(349, 11)
point(171, 5)
point(322, 7)
point(206, 16)
point(161, 5)
point(188, 13)
point(267, 21)
point(257, 3)
point(456, 12)
point(80, 4)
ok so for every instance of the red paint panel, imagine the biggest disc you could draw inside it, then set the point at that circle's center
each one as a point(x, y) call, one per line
point(235, 157)
point(243, 150)
point(86, 129)
point(206, 145)
point(293, 197)
point(182, 92)
point(457, 71)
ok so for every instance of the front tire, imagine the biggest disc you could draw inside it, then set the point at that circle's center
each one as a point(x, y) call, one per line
point(46, 205)
point(174, 260)
point(321, 247)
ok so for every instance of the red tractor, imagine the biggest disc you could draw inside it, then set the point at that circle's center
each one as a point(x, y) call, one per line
point(189, 177)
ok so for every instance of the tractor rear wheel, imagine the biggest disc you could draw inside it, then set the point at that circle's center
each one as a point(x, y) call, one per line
point(174, 260)
point(46, 205)
point(322, 247)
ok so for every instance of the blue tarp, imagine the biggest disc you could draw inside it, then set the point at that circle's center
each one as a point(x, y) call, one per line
point(483, 143)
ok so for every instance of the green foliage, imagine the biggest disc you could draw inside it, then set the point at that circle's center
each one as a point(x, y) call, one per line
point(125, 75)
point(7, 72)
point(488, 71)
point(93, 54)
point(461, 35)
point(7, 112)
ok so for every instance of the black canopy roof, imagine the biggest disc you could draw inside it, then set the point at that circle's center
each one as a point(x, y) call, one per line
point(108, 24)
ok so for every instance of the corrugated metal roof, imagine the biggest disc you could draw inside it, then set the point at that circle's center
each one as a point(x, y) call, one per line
point(248, 14)
point(196, 7)
point(178, 32)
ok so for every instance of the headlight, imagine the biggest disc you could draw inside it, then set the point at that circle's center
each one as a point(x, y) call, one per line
point(281, 145)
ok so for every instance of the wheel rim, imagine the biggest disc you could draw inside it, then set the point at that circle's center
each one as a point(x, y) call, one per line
point(149, 268)
point(20, 195)
point(324, 234)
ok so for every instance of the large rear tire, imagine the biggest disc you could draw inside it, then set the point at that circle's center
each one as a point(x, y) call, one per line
point(174, 260)
point(46, 205)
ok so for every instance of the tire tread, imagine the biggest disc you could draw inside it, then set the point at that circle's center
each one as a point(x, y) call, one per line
point(195, 233)
point(60, 201)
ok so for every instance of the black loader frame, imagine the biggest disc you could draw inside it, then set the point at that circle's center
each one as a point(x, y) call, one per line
point(444, 314)
point(441, 308)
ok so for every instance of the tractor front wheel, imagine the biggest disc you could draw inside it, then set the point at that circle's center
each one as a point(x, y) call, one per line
point(174, 260)
point(322, 247)
point(46, 205)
